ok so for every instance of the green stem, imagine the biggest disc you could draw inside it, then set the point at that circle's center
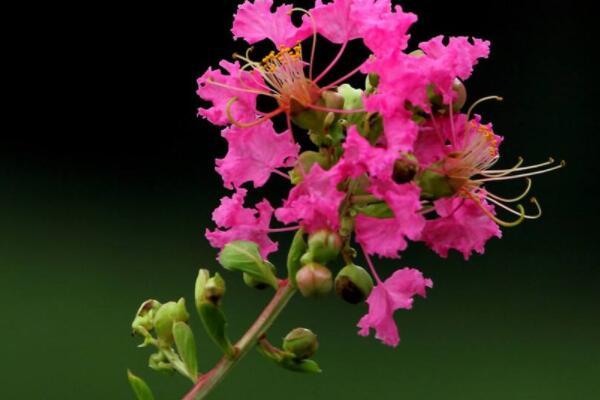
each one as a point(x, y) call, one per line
point(207, 382)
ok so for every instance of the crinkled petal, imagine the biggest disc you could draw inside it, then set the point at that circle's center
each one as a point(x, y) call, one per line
point(387, 236)
point(254, 21)
point(254, 153)
point(244, 108)
point(315, 202)
point(238, 223)
point(461, 225)
point(395, 293)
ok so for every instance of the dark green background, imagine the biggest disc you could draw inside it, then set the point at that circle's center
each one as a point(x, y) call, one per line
point(107, 185)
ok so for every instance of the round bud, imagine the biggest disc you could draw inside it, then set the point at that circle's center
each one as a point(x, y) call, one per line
point(353, 284)
point(301, 342)
point(166, 316)
point(404, 170)
point(314, 279)
point(324, 245)
point(461, 93)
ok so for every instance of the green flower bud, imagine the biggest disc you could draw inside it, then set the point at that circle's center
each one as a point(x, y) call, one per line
point(305, 162)
point(324, 245)
point(353, 284)
point(244, 256)
point(461, 97)
point(166, 316)
point(314, 280)
point(144, 317)
point(301, 342)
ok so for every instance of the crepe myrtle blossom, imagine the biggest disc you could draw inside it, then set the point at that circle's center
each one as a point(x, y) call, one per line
point(395, 162)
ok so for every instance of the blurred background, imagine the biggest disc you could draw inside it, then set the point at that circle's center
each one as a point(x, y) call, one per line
point(107, 183)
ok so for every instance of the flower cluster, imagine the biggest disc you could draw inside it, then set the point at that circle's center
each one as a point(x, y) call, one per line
point(396, 161)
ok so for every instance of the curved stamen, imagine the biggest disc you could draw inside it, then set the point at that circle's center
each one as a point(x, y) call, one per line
point(280, 173)
point(248, 124)
point(549, 162)
point(314, 37)
point(210, 81)
point(504, 178)
point(333, 62)
point(493, 217)
point(503, 172)
point(334, 110)
point(512, 211)
point(514, 199)
point(478, 102)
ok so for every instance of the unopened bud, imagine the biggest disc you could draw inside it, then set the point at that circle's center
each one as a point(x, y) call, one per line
point(144, 318)
point(314, 280)
point(324, 245)
point(461, 95)
point(405, 170)
point(301, 342)
point(353, 284)
point(166, 316)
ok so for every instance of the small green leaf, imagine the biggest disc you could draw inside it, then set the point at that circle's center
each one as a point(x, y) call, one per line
point(139, 387)
point(244, 256)
point(307, 366)
point(215, 325)
point(297, 249)
point(186, 346)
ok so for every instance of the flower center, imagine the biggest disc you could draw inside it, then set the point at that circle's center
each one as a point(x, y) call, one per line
point(284, 72)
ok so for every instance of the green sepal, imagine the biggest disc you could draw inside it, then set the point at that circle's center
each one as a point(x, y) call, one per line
point(159, 362)
point(215, 325)
point(434, 185)
point(186, 347)
point(371, 83)
point(306, 366)
point(377, 210)
point(166, 316)
point(244, 256)
point(140, 388)
point(297, 249)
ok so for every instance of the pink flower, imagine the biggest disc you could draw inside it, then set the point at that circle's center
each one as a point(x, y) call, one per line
point(436, 140)
point(242, 110)
point(396, 292)
point(462, 225)
point(254, 21)
point(387, 236)
point(451, 61)
point(254, 153)
point(359, 156)
point(239, 223)
point(315, 202)
point(383, 30)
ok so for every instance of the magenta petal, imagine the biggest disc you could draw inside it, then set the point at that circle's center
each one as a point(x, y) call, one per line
point(254, 153)
point(461, 225)
point(239, 223)
point(254, 21)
